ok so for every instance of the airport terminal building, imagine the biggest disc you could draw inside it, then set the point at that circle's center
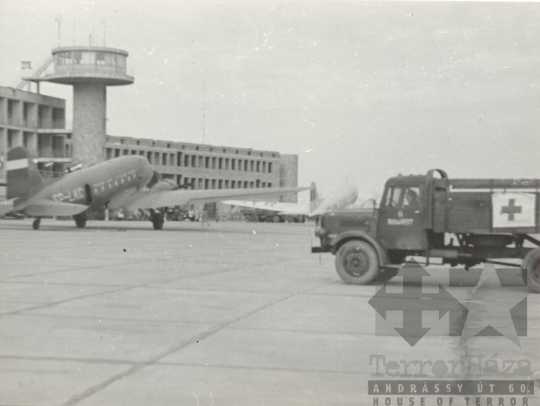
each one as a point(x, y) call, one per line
point(38, 123)
point(206, 166)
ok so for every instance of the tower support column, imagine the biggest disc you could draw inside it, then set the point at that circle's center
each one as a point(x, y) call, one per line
point(89, 122)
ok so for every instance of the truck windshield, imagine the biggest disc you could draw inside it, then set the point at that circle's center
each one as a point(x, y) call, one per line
point(403, 197)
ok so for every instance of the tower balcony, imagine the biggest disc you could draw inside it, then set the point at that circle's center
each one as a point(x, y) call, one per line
point(77, 64)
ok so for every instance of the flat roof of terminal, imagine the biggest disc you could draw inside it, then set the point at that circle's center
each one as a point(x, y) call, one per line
point(211, 147)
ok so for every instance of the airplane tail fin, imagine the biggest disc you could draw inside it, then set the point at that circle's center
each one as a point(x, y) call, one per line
point(23, 178)
point(313, 197)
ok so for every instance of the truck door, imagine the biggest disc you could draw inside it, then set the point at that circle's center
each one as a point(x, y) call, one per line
point(400, 218)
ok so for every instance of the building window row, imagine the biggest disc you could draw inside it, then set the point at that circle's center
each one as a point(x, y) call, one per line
point(206, 183)
point(180, 159)
point(220, 163)
point(32, 115)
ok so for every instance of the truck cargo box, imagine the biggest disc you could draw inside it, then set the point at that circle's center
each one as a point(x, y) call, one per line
point(485, 206)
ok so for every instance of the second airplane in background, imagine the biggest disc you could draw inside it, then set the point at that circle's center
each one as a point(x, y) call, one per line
point(336, 200)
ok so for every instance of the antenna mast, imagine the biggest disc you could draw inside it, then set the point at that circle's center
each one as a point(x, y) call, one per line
point(204, 111)
point(104, 33)
point(59, 19)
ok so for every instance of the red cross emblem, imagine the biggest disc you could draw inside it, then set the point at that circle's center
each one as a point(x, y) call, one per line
point(511, 209)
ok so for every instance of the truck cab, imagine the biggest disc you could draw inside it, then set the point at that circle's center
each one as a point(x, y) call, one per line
point(460, 221)
point(399, 224)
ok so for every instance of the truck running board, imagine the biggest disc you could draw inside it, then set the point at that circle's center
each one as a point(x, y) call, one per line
point(502, 263)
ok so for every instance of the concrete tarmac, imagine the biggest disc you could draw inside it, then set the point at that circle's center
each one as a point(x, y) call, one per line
point(231, 314)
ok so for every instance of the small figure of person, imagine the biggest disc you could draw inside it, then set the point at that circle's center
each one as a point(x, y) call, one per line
point(204, 218)
point(411, 200)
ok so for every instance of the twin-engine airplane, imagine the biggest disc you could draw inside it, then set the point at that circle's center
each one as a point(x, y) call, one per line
point(336, 200)
point(127, 182)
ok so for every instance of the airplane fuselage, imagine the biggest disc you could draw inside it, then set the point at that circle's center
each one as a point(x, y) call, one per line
point(98, 185)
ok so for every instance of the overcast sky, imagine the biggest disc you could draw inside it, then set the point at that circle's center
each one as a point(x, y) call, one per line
point(359, 90)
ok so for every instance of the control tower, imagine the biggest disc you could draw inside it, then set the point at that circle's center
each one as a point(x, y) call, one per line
point(89, 70)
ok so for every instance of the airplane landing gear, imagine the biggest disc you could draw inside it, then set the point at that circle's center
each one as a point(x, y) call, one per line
point(80, 219)
point(36, 223)
point(157, 220)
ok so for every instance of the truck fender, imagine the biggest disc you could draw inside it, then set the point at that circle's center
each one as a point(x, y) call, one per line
point(359, 235)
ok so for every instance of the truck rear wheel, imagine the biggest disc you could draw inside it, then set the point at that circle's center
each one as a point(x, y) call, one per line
point(357, 262)
point(531, 270)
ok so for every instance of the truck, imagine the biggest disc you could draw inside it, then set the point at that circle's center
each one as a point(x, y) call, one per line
point(462, 222)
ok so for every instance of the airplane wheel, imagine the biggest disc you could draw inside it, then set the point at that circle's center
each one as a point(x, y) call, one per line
point(36, 223)
point(276, 219)
point(157, 221)
point(531, 269)
point(295, 219)
point(80, 220)
point(303, 219)
point(357, 262)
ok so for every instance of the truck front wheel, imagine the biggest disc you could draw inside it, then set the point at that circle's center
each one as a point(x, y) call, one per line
point(531, 270)
point(357, 262)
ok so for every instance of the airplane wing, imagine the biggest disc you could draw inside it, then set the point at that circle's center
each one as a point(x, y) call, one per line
point(280, 207)
point(170, 198)
point(45, 207)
